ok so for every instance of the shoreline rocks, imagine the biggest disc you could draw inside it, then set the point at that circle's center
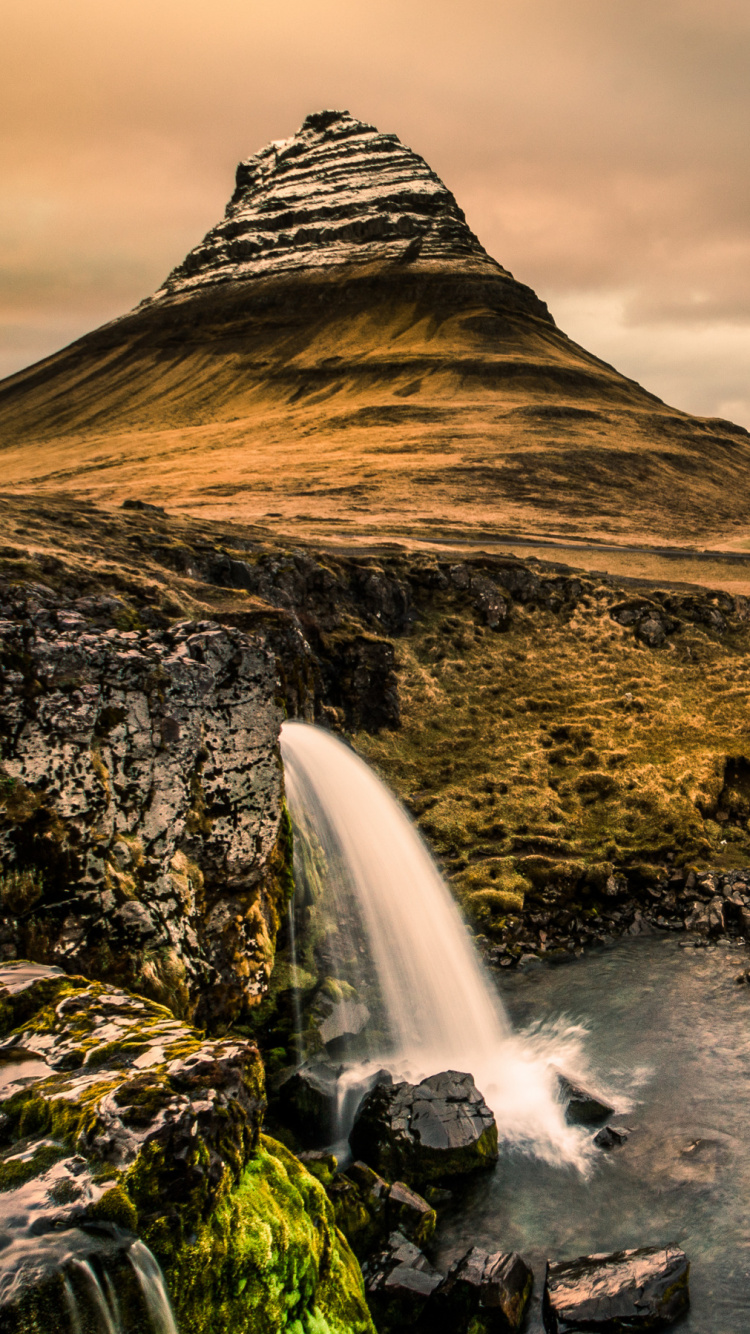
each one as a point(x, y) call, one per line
point(618, 1293)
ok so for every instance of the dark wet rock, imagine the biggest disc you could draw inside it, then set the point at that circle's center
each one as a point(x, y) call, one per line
point(582, 1108)
point(410, 1214)
point(307, 1102)
point(359, 1213)
point(483, 1293)
point(419, 1133)
point(628, 1290)
point(399, 1282)
point(611, 1137)
point(368, 1209)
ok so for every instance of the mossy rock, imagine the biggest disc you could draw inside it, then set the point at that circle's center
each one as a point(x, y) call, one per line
point(270, 1259)
point(140, 1122)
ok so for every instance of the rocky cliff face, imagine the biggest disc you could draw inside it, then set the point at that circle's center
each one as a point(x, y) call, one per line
point(335, 194)
point(141, 825)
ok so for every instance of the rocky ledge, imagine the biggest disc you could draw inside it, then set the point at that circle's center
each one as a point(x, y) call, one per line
point(335, 195)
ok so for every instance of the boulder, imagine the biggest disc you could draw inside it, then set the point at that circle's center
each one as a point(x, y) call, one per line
point(399, 1282)
point(626, 1291)
point(582, 1108)
point(483, 1294)
point(419, 1133)
point(410, 1214)
point(346, 1019)
point(697, 919)
point(126, 1121)
point(716, 922)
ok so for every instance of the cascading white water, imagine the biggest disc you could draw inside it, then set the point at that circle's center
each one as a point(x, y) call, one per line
point(96, 1274)
point(442, 1010)
point(152, 1285)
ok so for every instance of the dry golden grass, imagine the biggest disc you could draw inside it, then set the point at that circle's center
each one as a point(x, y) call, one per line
point(563, 749)
point(404, 408)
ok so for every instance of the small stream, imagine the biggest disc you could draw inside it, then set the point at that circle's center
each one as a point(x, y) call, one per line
point(669, 1036)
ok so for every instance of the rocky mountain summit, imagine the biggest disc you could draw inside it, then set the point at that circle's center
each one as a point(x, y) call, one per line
point(337, 193)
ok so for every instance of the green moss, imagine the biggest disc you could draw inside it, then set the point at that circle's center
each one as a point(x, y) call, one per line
point(269, 1259)
point(115, 1206)
point(16, 1170)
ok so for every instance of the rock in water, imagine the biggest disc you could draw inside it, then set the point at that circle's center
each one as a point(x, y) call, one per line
point(611, 1137)
point(308, 1099)
point(582, 1108)
point(483, 1294)
point(613, 1294)
point(419, 1133)
point(399, 1283)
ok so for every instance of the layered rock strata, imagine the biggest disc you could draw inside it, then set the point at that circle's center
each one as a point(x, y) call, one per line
point(141, 824)
point(337, 193)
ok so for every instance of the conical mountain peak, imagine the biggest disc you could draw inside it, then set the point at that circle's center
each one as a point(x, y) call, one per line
point(340, 355)
point(338, 194)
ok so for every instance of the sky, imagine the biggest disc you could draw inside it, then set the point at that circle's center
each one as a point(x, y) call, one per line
point(599, 149)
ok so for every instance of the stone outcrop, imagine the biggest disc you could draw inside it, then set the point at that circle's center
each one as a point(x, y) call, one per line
point(337, 193)
point(399, 1282)
point(141, 825)
point(117, 1121)
point(420, 1133)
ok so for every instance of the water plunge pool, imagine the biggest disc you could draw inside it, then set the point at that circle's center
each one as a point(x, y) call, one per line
point(668, 1030)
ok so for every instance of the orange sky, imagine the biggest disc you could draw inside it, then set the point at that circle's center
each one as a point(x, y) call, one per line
point(598, 147)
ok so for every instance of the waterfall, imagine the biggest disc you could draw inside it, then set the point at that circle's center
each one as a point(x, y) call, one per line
point(151, 1282)
point(110, 1282)
point(298, 1037)
point(392, 916)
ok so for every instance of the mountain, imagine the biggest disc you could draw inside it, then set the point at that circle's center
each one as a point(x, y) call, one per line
point(340, 357)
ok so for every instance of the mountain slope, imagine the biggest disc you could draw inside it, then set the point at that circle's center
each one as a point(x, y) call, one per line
point(340, 356)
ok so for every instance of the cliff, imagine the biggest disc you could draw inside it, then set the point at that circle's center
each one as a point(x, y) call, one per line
point(141, 825)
